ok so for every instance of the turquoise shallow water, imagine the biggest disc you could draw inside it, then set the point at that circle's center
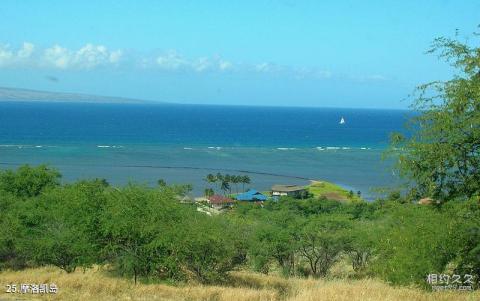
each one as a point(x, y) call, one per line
point(182, 144)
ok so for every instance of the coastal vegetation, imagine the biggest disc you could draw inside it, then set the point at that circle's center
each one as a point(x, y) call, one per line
point(149, 240)
point(441, 156)
point(146, 234)
point(226, 183)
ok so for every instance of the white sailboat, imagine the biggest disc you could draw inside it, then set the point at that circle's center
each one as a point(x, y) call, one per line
point(342, 121)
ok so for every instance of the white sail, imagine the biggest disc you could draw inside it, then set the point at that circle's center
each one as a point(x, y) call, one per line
point(342, 121)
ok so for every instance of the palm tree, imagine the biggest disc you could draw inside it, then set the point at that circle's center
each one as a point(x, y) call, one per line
point(229, 179)
point(225, 186)
point(245, 180)
point(211, 179)
point(236, 180)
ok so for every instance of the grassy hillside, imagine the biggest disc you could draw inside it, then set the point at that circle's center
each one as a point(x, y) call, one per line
point(96, 284)
point(331, 191)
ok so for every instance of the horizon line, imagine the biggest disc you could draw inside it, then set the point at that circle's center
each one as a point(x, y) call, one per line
point(139, 101)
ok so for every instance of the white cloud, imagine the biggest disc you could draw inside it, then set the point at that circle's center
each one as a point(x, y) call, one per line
point(6, 55)
point(115, 56)
point(26, 51)
point(57, 57)
point(201, 64)
point(224, 65)
point(9, 57)
point(171, 61)
point(91, 56)
point(87, 57)
point(264, 67)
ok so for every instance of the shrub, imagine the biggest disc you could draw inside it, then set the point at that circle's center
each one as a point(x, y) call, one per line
point(28, 181)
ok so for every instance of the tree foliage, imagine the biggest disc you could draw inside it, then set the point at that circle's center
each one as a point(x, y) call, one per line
point(322, 241)
point(441, 157)
point(27, 181)
point(148, 233)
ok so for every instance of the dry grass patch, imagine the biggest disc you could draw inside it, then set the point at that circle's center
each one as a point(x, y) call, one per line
point(283, 286)
point(95, 284)
point(370, 290)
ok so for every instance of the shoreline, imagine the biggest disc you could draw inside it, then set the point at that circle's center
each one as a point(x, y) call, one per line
point(353, 169)
point(337, 188)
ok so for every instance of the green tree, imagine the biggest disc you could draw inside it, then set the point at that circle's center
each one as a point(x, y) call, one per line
point(322, 240)
point(361, 246)
point(275, 240)
point(441, 157)
point(148, 235)
point(67, 235)
point(235, 180)
point(245, 181)
point(29, 181)
point(211, 179)
point(12, 233)
point(225, 186)
point(206, 247)
point(414, 241)
point(161, 183)
point(467, 237)
point(208, 192)
point(136, 226)
point(181, 190)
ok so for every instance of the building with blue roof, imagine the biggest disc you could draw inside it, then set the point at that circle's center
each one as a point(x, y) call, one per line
point(251, 196)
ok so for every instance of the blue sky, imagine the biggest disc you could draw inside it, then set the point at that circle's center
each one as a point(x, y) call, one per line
point(290, 53)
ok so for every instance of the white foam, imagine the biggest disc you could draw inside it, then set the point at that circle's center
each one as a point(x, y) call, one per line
point(15, 145)
point(110, 146)
point(187, 148)
point(286, 148)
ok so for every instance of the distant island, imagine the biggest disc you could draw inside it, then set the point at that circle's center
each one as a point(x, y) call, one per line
point(14, 94)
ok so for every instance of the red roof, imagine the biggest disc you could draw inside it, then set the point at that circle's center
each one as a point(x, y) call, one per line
point(218, 199)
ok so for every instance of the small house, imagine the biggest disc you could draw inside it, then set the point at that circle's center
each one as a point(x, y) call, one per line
point(289, 190)
point(251, 196)
point(219, 202)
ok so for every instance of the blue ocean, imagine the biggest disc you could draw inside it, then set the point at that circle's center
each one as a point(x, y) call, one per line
point(182, 143)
